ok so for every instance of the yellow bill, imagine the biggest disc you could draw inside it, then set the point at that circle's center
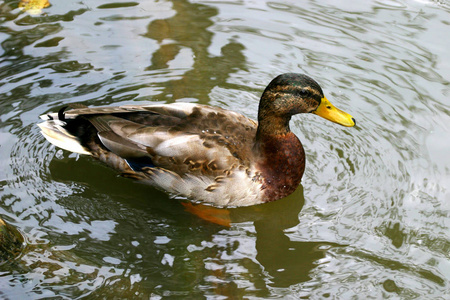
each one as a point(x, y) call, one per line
point(328, 111)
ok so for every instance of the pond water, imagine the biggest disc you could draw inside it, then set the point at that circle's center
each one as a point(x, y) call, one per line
point(370, 219)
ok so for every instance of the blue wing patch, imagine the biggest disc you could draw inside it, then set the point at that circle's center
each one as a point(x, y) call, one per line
point(138, 163)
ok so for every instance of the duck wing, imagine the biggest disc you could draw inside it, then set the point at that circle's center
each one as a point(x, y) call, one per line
point(180, 137)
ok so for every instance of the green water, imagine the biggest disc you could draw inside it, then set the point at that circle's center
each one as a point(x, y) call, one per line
point(370, 220)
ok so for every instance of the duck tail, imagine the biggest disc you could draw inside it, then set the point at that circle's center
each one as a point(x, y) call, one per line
point(53, 130)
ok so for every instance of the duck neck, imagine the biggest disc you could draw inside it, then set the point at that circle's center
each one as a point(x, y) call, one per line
point(272, 125)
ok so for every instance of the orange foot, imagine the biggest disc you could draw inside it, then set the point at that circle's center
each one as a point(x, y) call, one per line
point(211, 214)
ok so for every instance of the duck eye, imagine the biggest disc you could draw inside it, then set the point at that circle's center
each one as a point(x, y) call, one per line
point(303, 92)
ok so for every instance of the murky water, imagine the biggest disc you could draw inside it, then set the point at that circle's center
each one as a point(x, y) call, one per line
point(371, 219)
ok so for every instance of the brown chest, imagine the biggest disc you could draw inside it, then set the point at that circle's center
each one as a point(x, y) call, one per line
point(282, 165)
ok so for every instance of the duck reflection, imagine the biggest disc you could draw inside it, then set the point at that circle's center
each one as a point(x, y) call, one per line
point(287, 262)
point(187, 36)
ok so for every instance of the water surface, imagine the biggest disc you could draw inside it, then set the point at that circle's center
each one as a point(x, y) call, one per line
point(370, 220)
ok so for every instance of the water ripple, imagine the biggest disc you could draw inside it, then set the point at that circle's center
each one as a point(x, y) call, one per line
point(370, 219)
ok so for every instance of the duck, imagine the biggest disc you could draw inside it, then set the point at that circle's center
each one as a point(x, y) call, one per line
point(201, 153)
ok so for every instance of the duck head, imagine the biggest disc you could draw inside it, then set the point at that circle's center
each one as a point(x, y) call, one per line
point(290, 94)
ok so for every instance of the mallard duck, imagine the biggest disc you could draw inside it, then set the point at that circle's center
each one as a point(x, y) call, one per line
point(204, 153)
